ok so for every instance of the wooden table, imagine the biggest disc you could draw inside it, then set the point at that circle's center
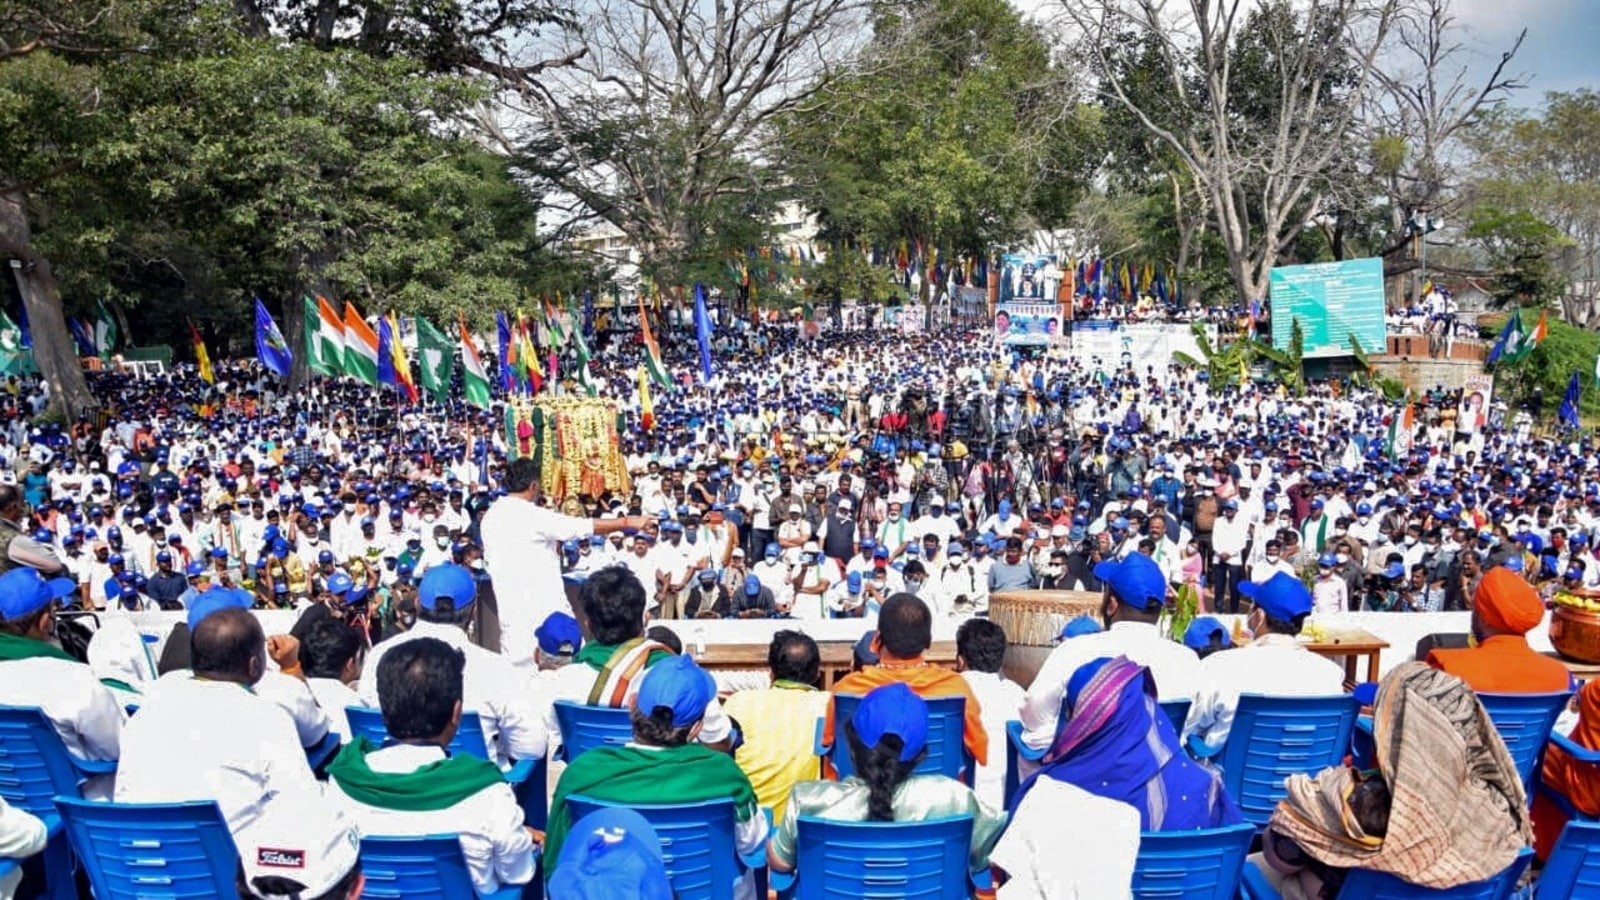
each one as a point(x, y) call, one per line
point(1581, 671)
point(1352, 644)
point(836, 657)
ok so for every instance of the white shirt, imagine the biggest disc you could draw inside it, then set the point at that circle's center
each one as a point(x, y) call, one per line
point(573, 682)
point(491, 687)
point(1064, 843)
point(498, 850)
point(333, 696)
point(998, 700)
point(212, 740)
point(522, 548)
point(1274, 664)
point(22, 834)
point(1176, 669)
point(83, 711)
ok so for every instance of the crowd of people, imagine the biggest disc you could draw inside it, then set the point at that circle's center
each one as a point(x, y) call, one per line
point(897, 479)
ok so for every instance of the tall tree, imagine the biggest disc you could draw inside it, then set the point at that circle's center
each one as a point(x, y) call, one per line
point(1263, 101)
point(661, 125)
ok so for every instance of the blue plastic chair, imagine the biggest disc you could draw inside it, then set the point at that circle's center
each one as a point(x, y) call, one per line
point(422, 868)
point(584, 728)
point(1275, 737)
point(1192, 865)
point(1177, 713)
point(322, 752)
point(696, 844)
point(1573, 867)
point(879, 860)
point(167, 850)
point(947, 754)
point(35, 768)
point(1524, 722)
point(526, 776)
point(1365, 885)
point(1590, 759)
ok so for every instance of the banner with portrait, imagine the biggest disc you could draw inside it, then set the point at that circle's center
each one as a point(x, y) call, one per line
point(1028, 325)
point(1025, 277)
point(1477, 390)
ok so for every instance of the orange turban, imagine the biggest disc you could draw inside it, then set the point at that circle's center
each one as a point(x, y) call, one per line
point(1507, 603)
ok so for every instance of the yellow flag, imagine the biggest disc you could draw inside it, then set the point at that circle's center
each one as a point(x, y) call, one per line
point(201, 357)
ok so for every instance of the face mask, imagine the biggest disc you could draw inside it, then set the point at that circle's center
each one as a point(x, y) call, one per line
point(1343, 557)
point(441, 543)
point(912, 584)
point(1272, 557)
point(478, 565)
point(1363, 519)
point(1410, 540)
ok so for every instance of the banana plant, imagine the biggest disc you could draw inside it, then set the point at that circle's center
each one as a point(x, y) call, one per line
point(1288, 364)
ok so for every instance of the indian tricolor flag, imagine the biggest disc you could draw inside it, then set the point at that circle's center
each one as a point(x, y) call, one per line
point(1401, 430)
point(360, 347)
point(647, 409)
point(324, 338)
point(474, 381)
point(652, 353)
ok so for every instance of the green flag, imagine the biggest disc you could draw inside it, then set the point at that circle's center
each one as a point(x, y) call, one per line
point(581, 347)
point(436, 360)
point(10, 335)
point(324, 347)
point(105, 331)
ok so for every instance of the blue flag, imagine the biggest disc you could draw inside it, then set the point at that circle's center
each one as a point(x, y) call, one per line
point(271, 348)
point(503, 332)
point(386, 339)
point(702, 331)
point(588, 314)
point(1569, 403)
point(23, 327)
point(82, 336)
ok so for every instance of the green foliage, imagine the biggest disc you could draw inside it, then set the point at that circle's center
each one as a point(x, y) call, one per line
point(1521, 249)
point(959, 132)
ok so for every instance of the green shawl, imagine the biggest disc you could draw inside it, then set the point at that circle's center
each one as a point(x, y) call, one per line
point(14, 648)
point(689, 774)
point(595, 656)
point(435, 786)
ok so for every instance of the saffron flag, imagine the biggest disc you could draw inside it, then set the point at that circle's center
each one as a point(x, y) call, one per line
point(474, 381)
point(702, 331)
point(270, 347)
point(360, 347)
point(202, 359)
point(652, 352)
point(402, 363)
point(323, 337)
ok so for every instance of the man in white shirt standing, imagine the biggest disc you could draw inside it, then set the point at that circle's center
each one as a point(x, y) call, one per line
point(1136, 591)
point(522, 548)
point(1274, 663)
point(1229, 536)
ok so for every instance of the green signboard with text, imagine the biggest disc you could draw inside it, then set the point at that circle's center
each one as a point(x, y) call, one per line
point(1333, 301)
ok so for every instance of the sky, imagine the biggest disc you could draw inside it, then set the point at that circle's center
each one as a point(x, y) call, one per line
point(1558, 54)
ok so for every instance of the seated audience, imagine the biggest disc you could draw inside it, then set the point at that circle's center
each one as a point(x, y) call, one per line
point(779, 722)
point(302, 848)
point(1445, 808)
point(887, 737)
point(331, 653)
point(980, 649)
point(412, 787)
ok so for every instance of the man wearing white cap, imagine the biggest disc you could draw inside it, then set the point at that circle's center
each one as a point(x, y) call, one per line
point(934, 521)
point(302, 846)
point(837, 534)
point(809, 579)
point(957, 589)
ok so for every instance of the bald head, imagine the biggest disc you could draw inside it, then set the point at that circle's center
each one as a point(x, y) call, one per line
point(229, 645)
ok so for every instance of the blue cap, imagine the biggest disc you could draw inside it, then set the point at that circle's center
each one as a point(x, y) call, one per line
point(706, 576)
point(114, 559)
point(559, 635)
point(215, 600)
point(447, 580)
point(752, 585)
point(340, 583)
point(1200, 632)
point(219, 553)
point(163, 556)
point(1082, 625)
point(1282, 596)
point(611, 854)
point(325, 556)
point(893, 709)
point(1328, 560)
point(680, 685)
point(1136, 580)
point(852, 582)
point(24, 592)
point(194, 568)
point(1397, 569)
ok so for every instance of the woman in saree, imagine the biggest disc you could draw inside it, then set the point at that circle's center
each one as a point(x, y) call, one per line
point(1445, 806)
point(1114, 741)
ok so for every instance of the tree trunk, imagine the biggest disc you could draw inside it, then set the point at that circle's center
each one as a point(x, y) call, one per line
point(53, 350)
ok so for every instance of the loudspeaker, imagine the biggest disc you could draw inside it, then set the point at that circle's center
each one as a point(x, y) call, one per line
point(1441, 642)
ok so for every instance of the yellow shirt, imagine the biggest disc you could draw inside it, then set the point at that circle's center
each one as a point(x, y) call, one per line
point(780, 731)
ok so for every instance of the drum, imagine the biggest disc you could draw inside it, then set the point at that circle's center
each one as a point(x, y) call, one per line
point(1032, 620)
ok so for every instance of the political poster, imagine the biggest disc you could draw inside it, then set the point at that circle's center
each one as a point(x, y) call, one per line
point(1025, 277)
point(1333, 302)
point(1111, 346)
point(1477, 390)
point(1028, 324)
